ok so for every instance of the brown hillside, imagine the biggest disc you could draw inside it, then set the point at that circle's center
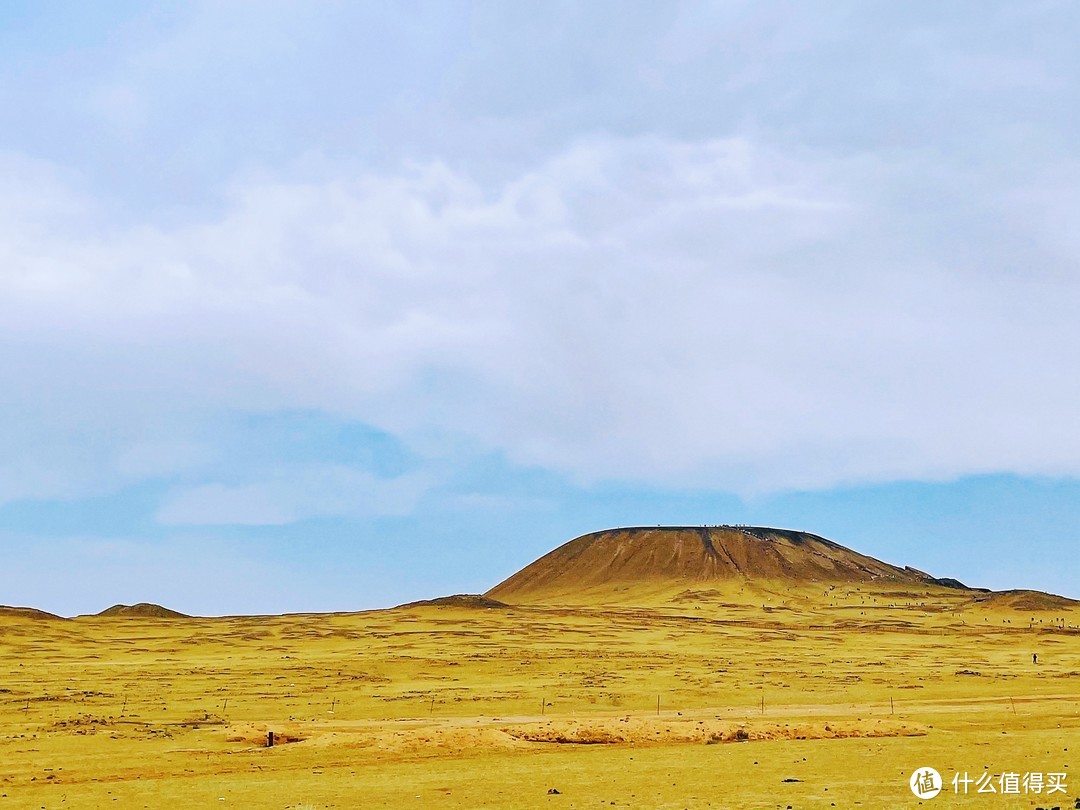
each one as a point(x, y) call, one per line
point(685, 555)
point(461, 600)
point(26, 613)
point(1027, 600)
point(143, 610)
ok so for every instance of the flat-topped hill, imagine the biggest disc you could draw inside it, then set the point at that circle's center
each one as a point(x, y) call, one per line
point(143, 610)
point(651, 557)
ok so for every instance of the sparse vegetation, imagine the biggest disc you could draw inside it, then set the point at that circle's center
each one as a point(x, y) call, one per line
point(787, 682)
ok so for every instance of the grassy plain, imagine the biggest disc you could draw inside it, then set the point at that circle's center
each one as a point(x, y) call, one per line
point(768, 697)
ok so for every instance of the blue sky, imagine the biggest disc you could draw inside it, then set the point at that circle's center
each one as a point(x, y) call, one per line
point(335, 306)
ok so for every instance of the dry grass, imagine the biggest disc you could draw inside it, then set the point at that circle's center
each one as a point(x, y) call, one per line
point(846, 690)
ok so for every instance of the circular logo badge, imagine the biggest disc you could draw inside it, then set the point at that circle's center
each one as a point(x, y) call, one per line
point(925, 783)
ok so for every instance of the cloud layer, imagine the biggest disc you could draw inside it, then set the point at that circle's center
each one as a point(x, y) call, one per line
point(368, 302)
point(720, 313)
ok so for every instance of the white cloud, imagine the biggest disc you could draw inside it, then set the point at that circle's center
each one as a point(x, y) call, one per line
point(714, 313)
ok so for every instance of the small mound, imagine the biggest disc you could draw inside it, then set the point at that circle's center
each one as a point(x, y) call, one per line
point(143, 610)
point(257, 734)
point(464, 600)
point(26, 613)
point(1028, 600)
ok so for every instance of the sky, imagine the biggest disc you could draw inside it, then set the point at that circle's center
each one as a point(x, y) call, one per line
point(334, 306)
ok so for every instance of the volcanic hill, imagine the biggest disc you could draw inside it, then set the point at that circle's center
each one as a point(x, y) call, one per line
point(143, 610)
point(635, 560)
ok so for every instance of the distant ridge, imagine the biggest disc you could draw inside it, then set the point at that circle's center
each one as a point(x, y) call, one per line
point(1028, 600)
point(465, 600)
point(679, 555)
point(27, 613)
point(143, 610)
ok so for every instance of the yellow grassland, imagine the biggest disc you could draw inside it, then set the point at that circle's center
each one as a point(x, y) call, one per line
point(846, 689)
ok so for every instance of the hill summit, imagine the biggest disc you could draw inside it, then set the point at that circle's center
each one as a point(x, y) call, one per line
point(688, 555)
point(143, 610)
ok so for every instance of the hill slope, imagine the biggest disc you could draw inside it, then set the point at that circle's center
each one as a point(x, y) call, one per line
point(7, 611)
point(1025, 600)
point(143, 610)
point(459, 600)
point(683, 555)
